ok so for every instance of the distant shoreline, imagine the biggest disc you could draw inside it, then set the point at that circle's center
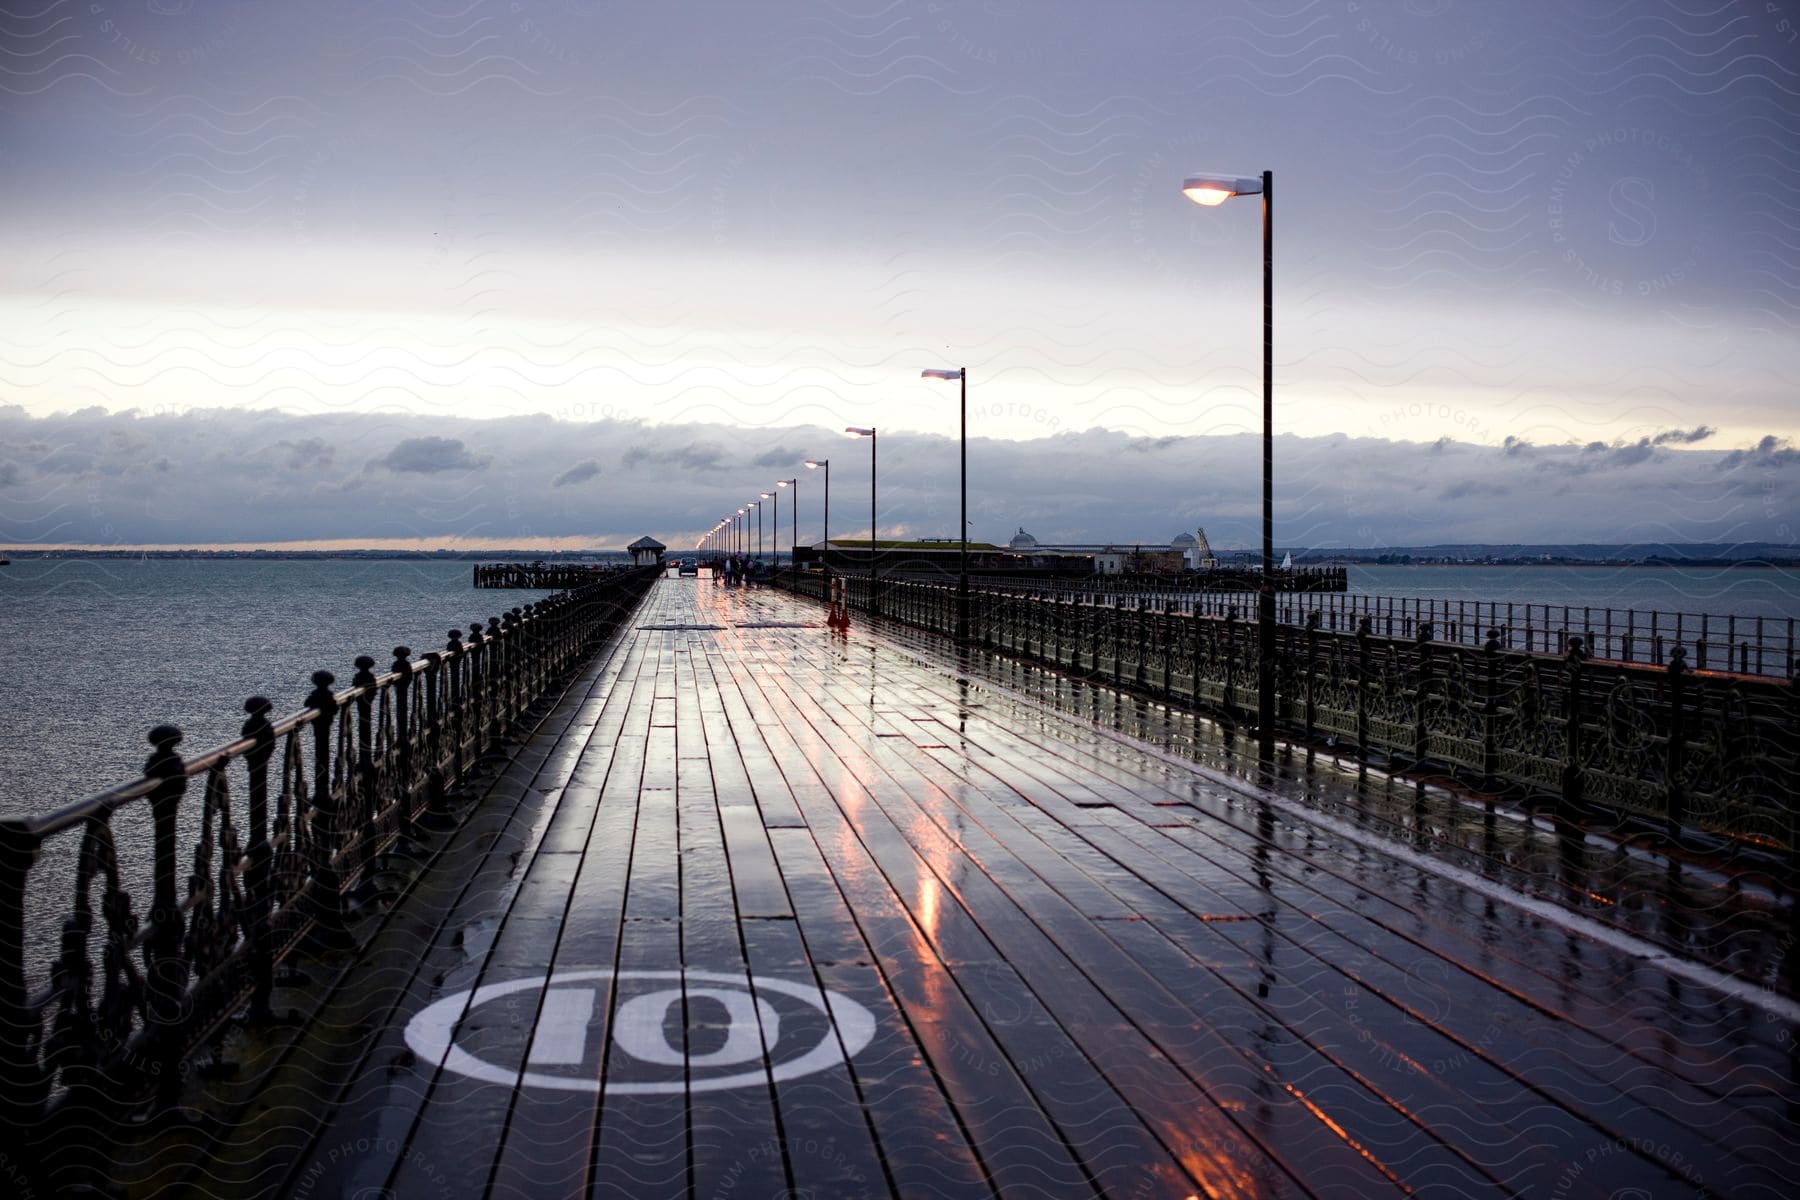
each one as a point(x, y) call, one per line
point(19, 555)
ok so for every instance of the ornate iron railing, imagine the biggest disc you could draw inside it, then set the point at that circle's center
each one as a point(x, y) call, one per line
point(101, 1004)
point(1710, 641)
point(1676, 746)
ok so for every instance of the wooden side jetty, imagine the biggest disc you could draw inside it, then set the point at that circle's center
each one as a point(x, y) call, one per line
point(764, 908)
point(542, 576)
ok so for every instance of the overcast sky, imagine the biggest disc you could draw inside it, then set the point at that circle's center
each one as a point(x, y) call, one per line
point(557, 269)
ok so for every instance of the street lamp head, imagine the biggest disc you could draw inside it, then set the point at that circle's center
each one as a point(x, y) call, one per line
point(1216, 189)
point(853, 431)
point(814, 464)
point(936, 373)
point(764, 495)
point(781, 483)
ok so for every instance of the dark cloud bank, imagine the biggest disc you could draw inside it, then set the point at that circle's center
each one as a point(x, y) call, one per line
point(239, 476)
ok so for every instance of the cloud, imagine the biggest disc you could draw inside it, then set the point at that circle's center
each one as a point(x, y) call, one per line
point(695, 456)
point(64, 460)
point(305, 454)
point(1771, 451)
point(581, 472)
point(1516, 447)
point(1080, 487)
point(1683, 437)
point(781, 457)
point(429, 455)
point(1470, 487)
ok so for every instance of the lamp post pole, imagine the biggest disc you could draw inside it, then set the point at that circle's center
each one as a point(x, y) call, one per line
point(1216, 189)
point(961, 375)
point(1265, 617)
point(775, 529)
point(825, 537)
point(794, 539)
point(874, 603)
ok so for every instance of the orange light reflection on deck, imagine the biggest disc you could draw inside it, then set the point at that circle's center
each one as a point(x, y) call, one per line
point(1345, 1136)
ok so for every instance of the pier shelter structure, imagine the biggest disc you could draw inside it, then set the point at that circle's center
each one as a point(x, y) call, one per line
point(646, 551)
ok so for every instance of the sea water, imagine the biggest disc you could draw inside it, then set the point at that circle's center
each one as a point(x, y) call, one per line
point(99, 651)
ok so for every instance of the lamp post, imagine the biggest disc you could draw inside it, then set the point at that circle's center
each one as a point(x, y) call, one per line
point(774, 529)
point(1216, 189)
point(814, 464)
point(853, 431)
point(794, 541)
point(961, 375)
point(744, 529)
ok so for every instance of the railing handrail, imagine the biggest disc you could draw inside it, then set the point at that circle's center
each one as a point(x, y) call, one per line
point(1676, 744)
point(71, 814)
point(1755, 646)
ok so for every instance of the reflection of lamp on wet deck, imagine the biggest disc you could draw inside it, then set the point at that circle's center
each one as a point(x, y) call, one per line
point(1211, 190)
point(853, 431)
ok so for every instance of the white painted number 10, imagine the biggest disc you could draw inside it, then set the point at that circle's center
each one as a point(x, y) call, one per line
point(565, 1021)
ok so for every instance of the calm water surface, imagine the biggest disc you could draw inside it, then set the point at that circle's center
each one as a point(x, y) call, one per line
point(99, 651)
point(1725, 591)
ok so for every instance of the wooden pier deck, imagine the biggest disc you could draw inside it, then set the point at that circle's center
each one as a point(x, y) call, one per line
point(818, 919)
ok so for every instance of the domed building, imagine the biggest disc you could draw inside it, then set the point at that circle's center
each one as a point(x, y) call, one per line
point(1194, 549)
point(1022, 542)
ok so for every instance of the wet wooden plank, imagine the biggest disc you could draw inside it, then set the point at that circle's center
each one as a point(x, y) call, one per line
point(754, 876)
point(642, 1152)
point(499, 1033)
point(655, 888)
point(729, 1129)
point(549, 1142)
point(768, 785)
point(924, 1146)
point(827, 1142)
